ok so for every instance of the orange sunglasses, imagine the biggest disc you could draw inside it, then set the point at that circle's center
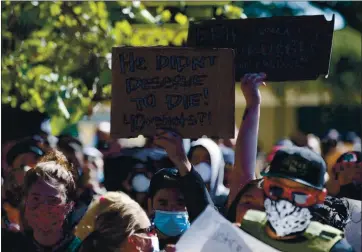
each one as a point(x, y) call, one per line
point(298, 196)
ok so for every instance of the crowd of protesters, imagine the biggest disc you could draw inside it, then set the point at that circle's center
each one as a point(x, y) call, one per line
point(58, 195)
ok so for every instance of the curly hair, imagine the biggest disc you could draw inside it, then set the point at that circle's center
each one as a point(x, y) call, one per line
point(334, 212)
point(54, 168)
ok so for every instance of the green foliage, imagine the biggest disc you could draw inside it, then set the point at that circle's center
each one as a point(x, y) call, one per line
point(56, 55)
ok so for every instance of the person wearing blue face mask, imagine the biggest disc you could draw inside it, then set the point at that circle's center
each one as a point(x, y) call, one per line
point(176, 195)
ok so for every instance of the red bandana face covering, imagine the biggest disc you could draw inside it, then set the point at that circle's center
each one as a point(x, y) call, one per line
point(46, 218)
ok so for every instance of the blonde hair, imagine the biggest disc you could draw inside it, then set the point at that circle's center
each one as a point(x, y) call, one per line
point(115, 215)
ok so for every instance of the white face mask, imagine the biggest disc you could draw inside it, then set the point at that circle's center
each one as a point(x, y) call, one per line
point(285, 217)
point(140, 183)
point(204, 169)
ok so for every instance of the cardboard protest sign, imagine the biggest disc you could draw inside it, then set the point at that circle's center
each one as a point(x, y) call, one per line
point(188, 90)
point(286, 48)
point(211, 232)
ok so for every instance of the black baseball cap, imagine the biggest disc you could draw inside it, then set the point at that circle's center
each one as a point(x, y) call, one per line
point(299, 164)
point(164, 178)
point(350, 157)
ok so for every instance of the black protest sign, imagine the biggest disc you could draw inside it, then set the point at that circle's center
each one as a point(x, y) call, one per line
point(188, 90)
point(286, 48)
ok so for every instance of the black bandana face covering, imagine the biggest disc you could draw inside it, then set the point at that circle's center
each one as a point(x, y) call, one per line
point(286, 218)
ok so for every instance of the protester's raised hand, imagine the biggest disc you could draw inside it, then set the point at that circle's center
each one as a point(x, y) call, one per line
point(250, 87)
point(172, 143)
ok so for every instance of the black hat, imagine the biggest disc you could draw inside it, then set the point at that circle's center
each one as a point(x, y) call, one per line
point(299, 164)
point(164, 178)
point(22, 147)
point(350, 157)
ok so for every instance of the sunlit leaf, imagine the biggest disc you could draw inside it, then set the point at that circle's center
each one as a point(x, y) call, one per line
point(55, 10)
point(93, 7)
point(219, 11)
point(124, 27)
point(166, 16)
point(160, 9)
point(181, 19)
point(77, 10)
point(180, 38)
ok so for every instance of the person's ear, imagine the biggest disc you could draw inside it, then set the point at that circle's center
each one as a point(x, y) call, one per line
point(321, 196)
point(132, 243)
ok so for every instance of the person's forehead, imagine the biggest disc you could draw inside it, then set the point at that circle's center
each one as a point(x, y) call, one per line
point(169, 194)
point(200, 150)
point(45, 189)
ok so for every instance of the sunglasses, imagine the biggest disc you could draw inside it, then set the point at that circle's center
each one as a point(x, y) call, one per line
point(300, 198)
point(150, 231)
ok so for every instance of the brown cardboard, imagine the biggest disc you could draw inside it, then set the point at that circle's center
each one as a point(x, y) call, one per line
point(206, 101)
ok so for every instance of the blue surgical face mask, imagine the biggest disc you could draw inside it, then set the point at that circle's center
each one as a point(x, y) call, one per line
point(171, 223)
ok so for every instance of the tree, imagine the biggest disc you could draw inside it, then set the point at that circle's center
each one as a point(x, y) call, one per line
point(56, 55)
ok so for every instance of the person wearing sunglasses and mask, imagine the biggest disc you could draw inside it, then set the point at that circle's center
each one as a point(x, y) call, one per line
point(293, 185)
point(176, 196)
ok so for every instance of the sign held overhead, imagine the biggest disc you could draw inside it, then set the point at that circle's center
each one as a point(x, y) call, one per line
point(285, 48)
point(188, 90)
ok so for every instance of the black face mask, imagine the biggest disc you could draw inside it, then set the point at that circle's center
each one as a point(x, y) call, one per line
point(351, 191)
